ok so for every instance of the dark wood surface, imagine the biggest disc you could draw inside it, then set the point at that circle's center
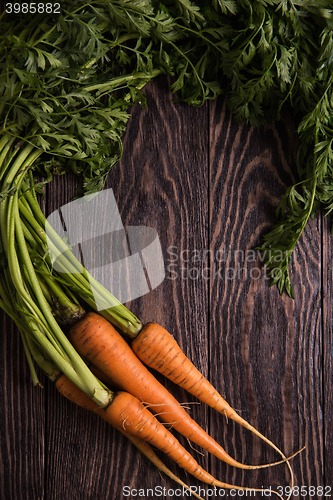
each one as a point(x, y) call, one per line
point(209, 187)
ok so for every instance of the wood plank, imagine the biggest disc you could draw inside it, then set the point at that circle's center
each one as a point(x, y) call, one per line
point(265, 348)
point(168, 191)
point(22, 414)
point(327, 354)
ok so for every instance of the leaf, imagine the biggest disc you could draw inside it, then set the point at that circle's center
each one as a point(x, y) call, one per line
point(283, 64)
point(45, 107)
point(67, 84)
point(31, 62)
point(225, 6)
point(43, 143)
point(53, 61)
point(40, 58)
point(189, 11)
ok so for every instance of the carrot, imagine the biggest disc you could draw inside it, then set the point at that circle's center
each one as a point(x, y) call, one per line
point(158, 349)
point(97, 340)
point(74, 394)
point(127, 414)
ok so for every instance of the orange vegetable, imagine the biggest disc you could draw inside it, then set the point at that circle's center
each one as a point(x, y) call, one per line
point(74, 394)
point(157, 348)
point(127, 414)
point(97, 340)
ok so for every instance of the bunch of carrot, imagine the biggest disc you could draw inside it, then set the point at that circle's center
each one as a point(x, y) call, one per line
point(53, 303)
point(117, 364)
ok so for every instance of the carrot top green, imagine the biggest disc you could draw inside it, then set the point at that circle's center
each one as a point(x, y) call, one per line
point(68, 79)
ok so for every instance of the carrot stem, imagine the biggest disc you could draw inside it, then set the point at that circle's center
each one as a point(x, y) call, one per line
point(23, 276)
point(74, 273)
point(66, 309)
point(27, 350)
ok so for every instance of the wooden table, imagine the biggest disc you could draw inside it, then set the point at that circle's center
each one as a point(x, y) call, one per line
point(209, 187)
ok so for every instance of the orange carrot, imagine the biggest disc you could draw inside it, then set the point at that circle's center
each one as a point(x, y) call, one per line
point(97, 340)
point(74, 394)
point(158, 349)
point(128, 414)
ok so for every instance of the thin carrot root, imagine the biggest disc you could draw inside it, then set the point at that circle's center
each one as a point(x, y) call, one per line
point(98, 342)
point(158, 349)
point(144, 447)
point(74, 394)
point(128, 415)
point(136, 419)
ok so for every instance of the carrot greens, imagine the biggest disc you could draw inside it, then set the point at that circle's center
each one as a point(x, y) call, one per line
point(67, 82)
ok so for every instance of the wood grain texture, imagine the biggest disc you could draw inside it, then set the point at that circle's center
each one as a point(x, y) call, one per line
point(266, 347)
point(162, 168)
point(22, 422)
point(209, 187)
point(152, 185)
point(327, 342)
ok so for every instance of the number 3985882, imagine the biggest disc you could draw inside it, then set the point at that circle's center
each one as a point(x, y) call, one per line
point(32, 8)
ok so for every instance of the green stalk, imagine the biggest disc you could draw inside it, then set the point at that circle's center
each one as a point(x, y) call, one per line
point(29, 237)
point(64, 307)
point(116, 83)
point(44, 327)
point(30, 328)
point(93, 389)
point(5, 144)
point(92, 291)
point(117, 313)
point(14, 316)
point(31, 333)
point(15, 269)
point(68, 311)
point(5, 164)
point(25, 159)
point(49, 367)
point(34, 375)
point(67, 368)
point(4, 141)
point(4, 294)
point(112, 309)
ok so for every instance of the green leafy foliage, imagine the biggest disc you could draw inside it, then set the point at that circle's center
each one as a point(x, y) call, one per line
point(67, 83)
